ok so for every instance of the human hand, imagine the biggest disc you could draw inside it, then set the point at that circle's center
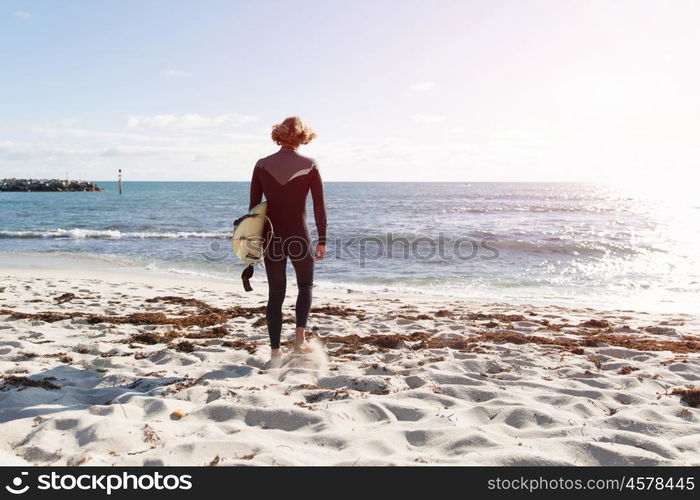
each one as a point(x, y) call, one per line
point(320, 252)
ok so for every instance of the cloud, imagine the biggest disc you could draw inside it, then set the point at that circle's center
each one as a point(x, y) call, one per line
point(220, 153)
point(422, 86)
point(24, 16)
point(165, 146)
point(6, 145)
point(67, 152)
point(130, 150)
point(81, 133)
point(177, 73)
point(24, 151)
point(188, 122)
point(427, 119)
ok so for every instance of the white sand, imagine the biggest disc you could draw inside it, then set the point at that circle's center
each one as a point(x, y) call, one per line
point(491, 402)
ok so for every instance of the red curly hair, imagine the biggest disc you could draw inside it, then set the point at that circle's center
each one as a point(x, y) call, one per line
point(292, 132)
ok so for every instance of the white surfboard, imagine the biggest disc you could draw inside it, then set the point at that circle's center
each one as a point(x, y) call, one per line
point(248, 235)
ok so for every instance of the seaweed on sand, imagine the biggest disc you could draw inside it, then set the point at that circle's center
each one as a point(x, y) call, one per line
point(65, 297)
point(205, 315)
point(352, 343)
point(251, 347)
point(691, 397)
point(24, 382)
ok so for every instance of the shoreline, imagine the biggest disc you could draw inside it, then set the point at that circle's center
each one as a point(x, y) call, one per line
point(67, 264)
point(98, 361)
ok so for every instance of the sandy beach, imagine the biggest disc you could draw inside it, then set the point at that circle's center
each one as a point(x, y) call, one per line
point(104, 366)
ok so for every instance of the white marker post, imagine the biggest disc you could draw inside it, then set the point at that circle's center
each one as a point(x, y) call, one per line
point(120, 181)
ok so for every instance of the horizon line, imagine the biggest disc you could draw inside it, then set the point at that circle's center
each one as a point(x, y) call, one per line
point(551, 181)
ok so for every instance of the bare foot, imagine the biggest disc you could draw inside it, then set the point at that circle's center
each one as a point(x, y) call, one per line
point(303, 348)
point(275, 358)
point(300, 344)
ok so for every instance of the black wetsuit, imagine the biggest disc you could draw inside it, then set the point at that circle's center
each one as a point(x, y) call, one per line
point(285, 178)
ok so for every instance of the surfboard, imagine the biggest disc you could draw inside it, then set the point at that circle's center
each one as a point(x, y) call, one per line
point(247, 241)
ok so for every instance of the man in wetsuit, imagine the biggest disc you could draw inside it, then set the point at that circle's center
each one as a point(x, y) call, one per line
point(285, 178)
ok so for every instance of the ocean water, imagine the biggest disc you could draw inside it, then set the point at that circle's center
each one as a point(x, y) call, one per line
point(565, 243)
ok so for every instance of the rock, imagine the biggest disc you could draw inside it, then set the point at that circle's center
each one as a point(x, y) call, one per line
point(178, 414)
point(46, 185)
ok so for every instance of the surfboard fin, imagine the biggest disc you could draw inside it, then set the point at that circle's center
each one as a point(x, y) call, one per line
point(246, 275)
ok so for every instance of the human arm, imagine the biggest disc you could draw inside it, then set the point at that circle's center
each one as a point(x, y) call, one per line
point(256, 191)
point(319, 211)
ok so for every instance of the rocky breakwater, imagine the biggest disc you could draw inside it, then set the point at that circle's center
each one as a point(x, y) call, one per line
point(46, 185)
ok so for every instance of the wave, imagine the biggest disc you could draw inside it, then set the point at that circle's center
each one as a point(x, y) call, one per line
point(506, 243)
point(109, 234)
point(398, 242)
point(576, 248)
point(496, 209)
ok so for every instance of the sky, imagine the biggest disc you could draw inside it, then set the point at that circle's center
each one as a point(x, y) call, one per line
point(397, 90)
